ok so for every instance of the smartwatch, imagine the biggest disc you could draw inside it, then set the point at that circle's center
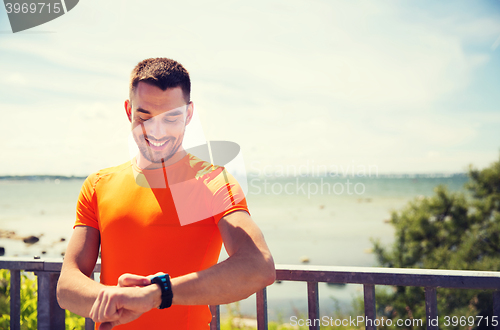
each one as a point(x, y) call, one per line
point(166, 290)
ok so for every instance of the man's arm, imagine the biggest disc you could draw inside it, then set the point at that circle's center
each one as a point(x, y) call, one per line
point(249, 268)
point(76, 291)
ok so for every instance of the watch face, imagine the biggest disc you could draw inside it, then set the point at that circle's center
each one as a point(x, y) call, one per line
point(164, 279)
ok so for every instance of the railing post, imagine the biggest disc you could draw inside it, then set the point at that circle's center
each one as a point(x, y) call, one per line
point(313, 304)
point(496, 307)
point(50, 315)
point(262, 309)
point(215, 323)
point(370, 310)
point(431, 308)
point(89, 324)
point(15, 300)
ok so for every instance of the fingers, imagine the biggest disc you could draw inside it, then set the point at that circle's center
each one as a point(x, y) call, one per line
point(94, 311)
point(105, 308)
point(115, 305)
point(133, 280)
point(106, 326)
point(157, 274)
point(119, 305)
point(128, 280)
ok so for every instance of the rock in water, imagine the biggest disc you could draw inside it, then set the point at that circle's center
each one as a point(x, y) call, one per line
point(30, 239)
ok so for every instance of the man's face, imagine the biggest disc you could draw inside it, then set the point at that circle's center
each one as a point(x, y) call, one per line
point(159, 119)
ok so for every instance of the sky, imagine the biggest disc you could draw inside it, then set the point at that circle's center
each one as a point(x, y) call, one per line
point(407, 87)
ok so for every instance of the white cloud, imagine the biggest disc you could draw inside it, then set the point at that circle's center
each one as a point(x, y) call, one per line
point(62, 138)
point(287, 80)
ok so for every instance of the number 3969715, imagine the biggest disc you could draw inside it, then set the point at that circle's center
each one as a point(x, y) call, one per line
point(32, 8)
point(470, 321)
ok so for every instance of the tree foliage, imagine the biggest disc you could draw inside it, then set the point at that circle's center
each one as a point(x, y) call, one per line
point(450, 230)
point(28, 304)
point(28, 301)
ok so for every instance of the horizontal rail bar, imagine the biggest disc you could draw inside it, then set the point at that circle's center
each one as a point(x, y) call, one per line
point(32, 265)
point(27, 264)
point(368, 276)
point(460, 279)
point(391, 276)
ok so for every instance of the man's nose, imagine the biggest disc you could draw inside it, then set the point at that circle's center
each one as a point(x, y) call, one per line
point(155, 128)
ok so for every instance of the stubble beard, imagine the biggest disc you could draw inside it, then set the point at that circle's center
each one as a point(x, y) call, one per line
point(158, 158)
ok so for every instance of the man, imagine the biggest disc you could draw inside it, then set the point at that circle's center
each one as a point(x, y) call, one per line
point(166, 211)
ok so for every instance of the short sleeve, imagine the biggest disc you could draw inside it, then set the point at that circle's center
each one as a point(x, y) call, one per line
point(86, 208)
point(227, 196)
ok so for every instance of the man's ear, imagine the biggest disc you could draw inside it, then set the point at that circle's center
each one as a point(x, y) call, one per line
point(128, 109)
point(189, 112)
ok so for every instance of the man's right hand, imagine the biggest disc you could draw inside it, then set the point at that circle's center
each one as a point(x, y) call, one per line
point(112, 305)
point(119, 305)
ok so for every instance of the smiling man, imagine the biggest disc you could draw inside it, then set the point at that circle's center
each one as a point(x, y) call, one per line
point(166, 213)
point(158, 121)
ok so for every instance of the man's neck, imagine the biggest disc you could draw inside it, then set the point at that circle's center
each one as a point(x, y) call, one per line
point(145, 164)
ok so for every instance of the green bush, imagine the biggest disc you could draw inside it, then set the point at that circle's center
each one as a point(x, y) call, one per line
point(28, 304)
point(28, 301)
point(449, 230)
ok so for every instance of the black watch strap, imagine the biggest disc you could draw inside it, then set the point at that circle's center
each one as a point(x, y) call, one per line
point(166, 290)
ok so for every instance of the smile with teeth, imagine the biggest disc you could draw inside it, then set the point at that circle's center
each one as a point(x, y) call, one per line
point(157, 144)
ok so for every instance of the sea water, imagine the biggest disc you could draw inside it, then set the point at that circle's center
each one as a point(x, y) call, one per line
point(325, 220)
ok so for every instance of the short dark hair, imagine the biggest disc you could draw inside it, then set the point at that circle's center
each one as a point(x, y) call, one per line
point(163, 73)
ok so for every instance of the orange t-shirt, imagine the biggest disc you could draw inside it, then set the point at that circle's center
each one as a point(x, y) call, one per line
point(162, 220)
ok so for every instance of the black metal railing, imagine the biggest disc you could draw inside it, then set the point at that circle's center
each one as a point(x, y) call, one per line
point(51, 316)
point(430, 279)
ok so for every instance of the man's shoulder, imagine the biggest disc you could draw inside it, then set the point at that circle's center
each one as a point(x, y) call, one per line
point(97, 176)
point(213, 176)
point(202, 168)
point(115, 169)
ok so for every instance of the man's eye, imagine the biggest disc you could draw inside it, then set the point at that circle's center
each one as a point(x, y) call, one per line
point(170, 120)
